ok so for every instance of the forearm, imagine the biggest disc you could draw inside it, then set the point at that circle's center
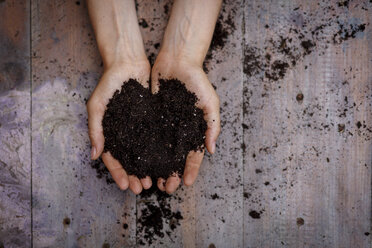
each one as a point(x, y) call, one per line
point(117, 31)
point(190, 30)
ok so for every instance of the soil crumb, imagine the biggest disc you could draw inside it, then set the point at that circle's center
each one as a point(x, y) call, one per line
point(254, 214)
point(304, 33)
point(156, 217)
point(300, 221)
point(101, 170)
point(151, 134)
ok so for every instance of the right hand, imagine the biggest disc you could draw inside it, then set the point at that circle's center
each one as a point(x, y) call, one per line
point(195, 80)
point(112, 80)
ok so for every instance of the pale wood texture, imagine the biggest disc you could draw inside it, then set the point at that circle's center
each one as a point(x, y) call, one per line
point(303, 165)
point(315, 171)
point(15, 150)
point(219, 187)
point(66, 67)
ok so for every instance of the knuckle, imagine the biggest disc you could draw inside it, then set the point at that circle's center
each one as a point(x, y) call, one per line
point(92, 134)
point(193, 164)
point(218, 130)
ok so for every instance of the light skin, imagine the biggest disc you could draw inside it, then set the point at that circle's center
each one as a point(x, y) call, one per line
point(185, 44)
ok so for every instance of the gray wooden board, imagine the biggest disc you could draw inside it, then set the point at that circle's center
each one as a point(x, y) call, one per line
point(207, 221)
point(303, 165)
point(313, 183)
point(71, 207)
point(219, 187)
point(15, 130)
point(156, 15)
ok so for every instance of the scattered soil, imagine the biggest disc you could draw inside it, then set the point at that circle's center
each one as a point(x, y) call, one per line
point(151, 135)
point(341, 127)
point(66, 221)
point(300, 221)
point(254, 214)
point(215, 196)
point(300, 97)
point(346, 32)
point(101, 170)
point(305, 33)
point(220, 35)
point(156, 218)
point(143, 23)
point(225, 26)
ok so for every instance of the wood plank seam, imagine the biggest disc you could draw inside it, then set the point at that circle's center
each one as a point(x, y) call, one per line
point(30, 61)
point(243, 112)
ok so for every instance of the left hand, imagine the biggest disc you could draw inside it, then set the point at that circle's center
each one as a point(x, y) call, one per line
point(195, 80)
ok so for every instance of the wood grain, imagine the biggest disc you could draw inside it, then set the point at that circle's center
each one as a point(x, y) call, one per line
point(219, 187)
point(309, 176)
point(71, 207)
point(303, 165)
point(15, 130)
point(156, 15)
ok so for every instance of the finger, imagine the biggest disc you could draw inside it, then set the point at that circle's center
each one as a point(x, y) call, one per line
point(172, 183)
point(193, 162)
point(116, 170)
point(135, 184)
point(212, 116)
point(161, 184)
point(146, 182)
point(156, 75)
point(95, 114)
point(155, 83)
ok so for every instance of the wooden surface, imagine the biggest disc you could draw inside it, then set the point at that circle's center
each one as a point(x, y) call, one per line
point(15, 121)
point(303, 165)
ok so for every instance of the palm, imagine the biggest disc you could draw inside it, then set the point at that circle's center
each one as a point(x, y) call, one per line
point(195, 81)
point(111, 81)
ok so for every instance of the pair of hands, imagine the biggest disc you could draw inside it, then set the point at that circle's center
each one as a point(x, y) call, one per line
point(187, 72)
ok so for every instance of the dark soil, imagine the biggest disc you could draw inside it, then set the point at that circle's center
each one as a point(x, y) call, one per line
point(254, 214)
point(151, 135)
point(225, 26)
point(305, 33)
point(220, 35)
point(300, 221)
point(156, 218)
point(101, 170)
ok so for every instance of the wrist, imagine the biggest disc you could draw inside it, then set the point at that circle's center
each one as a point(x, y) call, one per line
point(122, 53)
point(175, 57)
point(137, 64)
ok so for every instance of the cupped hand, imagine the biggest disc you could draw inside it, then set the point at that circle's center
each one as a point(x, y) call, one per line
point(112, 80)
point(195, 80)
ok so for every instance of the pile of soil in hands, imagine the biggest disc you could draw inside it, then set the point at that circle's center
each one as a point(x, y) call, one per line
point(151, 134)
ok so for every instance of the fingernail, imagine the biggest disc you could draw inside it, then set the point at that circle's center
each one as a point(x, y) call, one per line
point(213, 147)
point(93, 153)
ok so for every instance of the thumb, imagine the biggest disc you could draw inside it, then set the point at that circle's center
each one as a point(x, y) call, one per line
point(96, 111)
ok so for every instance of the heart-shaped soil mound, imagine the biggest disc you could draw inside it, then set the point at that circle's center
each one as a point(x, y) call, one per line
point(151, 134)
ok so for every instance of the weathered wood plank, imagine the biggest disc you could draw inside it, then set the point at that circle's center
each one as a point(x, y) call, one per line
point(71, 206)
point(155, 15)
point(204, 206)
point(219, 187)
point(307, 158)
point(15, 130)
